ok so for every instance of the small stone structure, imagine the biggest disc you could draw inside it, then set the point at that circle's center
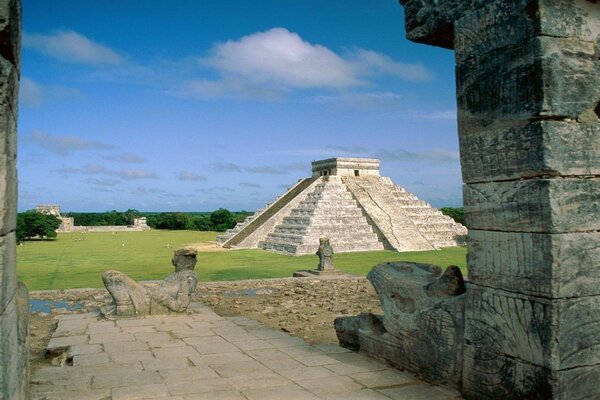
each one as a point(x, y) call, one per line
point(348, 201)
point(528, 95)
point(325, 253)
point(173, 295)
point(325, 266)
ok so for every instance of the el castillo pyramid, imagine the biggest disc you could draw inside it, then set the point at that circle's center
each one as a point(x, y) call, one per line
point(348, 201)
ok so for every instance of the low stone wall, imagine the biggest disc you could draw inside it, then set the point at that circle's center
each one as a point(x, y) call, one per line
point(109, 228)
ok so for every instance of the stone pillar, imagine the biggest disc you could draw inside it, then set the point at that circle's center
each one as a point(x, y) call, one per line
point(528, 94)
point(13, 298)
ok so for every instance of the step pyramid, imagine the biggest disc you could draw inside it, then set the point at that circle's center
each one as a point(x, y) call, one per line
point(348, 201)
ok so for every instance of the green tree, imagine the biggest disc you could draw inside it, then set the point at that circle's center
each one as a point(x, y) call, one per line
point(456, 213)
point(32, 224)
point(222, 219)
point(202, 223)
point(173, 221)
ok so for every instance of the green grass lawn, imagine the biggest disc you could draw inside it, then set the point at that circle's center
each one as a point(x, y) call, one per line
point(69, 263)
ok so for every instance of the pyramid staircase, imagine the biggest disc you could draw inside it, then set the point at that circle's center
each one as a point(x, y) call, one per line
point(348, 201)
point(408, 224)
point(329, 210)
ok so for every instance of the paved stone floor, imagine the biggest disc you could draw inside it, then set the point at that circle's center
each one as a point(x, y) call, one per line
point(204, 356)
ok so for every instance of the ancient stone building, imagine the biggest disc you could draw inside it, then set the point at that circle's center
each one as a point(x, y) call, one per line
point(528, 94)
point(348, 201)
point(14, 307)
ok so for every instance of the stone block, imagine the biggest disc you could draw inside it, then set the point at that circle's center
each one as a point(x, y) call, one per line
point(542, 77)
point(10, 375)
point(8, 279)
point(527, 149)
point(10, 31)
point(554, 334)
point(503, 23)
point(433, 22)
point(538, 264)
point(535, 205)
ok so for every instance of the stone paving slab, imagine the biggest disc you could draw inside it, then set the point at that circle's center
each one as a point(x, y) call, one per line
point(202, 355)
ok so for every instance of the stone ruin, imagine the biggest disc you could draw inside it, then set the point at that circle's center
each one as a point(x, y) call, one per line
point(348, 201)
point(68, 223)
point(528, 326)
point(172, 295)
point(528, 89)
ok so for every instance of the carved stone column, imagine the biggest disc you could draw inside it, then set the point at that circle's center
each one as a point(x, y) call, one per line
point(528, 93)
point(14, 308)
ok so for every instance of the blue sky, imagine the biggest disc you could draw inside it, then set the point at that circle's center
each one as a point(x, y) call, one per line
point(187, 105)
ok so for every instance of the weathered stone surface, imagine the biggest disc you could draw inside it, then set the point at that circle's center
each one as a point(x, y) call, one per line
point(545, 265)
point(535, 205)
point(8, 277)
point(8, 145)
point(422, 326)
point(554, 334)
point(10, 31)
point(325, 253)
point(499, 24)
point(171, 295)
point(433, 22)
point(542, 77)
point(528, 149)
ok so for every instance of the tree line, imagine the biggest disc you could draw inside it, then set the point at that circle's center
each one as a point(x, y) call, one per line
point(219, 220)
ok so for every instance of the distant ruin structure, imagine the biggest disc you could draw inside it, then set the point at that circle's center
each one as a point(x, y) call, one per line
point(528, 95)
point(347, 201)
point(68, 223)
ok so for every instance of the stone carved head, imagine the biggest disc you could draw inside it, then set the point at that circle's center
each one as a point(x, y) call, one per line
point(184, 259)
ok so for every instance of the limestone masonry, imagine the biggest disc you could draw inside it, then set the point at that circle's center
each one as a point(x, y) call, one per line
point(348, 201)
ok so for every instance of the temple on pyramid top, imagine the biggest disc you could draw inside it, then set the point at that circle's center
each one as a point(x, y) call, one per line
point(348, 201)
point(346, 167)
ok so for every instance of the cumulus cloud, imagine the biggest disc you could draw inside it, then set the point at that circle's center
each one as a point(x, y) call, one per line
point(71, 46)
point(190, 176)
point(101, 182)
point(64, 145)
point(434, 155)
point(126, 158)
point(267, 64)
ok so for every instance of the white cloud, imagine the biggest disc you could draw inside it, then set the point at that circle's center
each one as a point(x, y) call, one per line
point(93, 169)
point(381, 64)
point(71, 47)
point(271, 63)
point(33, 94)
point(282, 57)
point(64, 145)
point(30, 92)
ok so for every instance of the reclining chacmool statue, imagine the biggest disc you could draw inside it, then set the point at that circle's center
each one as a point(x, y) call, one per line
point(422, 326)
point(172, 295)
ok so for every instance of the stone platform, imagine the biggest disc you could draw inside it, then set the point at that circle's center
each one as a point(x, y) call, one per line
point(204, 356)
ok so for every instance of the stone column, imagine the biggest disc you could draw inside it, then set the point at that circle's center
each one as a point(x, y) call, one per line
point(528, 94)
point(13, 297)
